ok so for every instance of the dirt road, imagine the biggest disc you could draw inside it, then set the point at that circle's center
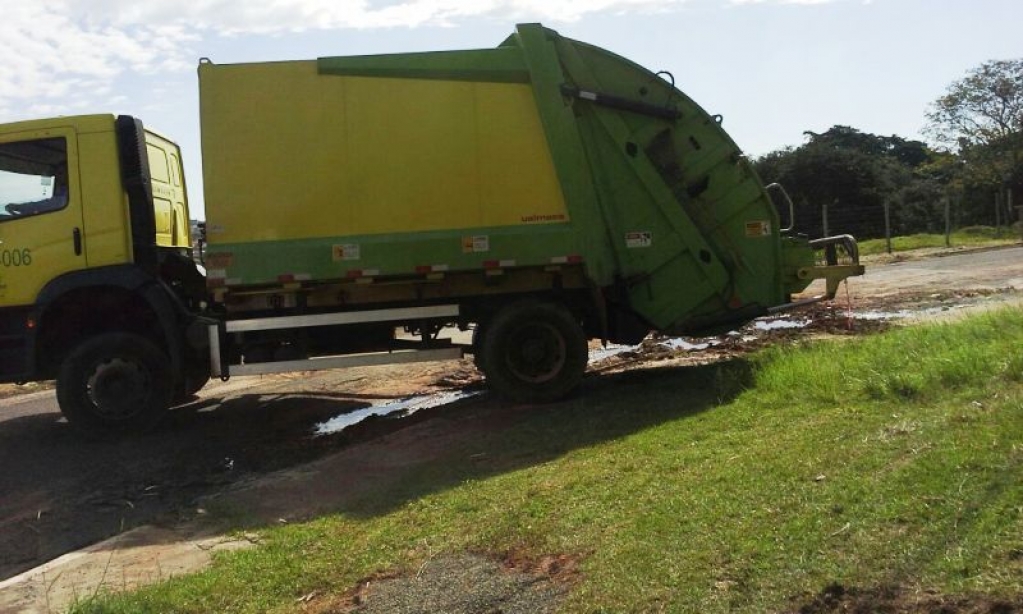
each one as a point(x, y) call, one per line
point(985, 270)
point(59, 493)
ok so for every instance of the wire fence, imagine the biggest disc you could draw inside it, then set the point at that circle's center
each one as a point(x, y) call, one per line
point(893, 218)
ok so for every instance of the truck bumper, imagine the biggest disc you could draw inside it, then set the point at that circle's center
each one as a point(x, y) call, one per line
point(836, 259)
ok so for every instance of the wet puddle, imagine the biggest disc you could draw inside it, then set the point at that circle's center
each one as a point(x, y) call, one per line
point(690, 344)
point(780, 324)
point(609, 351)
point(401, 408)
point(901, 314)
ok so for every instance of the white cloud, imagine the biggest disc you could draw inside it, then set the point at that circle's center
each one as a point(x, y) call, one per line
point(58, 57)
point(805, 2)
point(228, 16)
point(55, 48)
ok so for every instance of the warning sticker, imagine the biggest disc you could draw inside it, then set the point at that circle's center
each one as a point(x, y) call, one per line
point(476, 244)
point(634, 240)
point(759, 228)
point(349, 251)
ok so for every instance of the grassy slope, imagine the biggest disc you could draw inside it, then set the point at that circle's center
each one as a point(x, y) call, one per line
point(974, 236)
point(738, 487)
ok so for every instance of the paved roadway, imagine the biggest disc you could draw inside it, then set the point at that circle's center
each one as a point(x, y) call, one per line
point(993, 269)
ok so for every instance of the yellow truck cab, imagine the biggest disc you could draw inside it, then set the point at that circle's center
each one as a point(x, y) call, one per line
point(94, 256)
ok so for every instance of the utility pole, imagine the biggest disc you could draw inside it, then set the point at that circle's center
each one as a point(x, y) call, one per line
point(1019, 211)
point(888, 225)
point(948, 221)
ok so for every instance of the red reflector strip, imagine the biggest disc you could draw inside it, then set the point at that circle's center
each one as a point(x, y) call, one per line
point(286, 279)
point(432, 268)
point(355, 273)
point(497, 264)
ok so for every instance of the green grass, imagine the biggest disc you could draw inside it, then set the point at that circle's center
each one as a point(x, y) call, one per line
point(973, 236)
point(744, 486)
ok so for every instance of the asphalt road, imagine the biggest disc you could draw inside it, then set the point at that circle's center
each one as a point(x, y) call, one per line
point(59, 492)
point(994, 269)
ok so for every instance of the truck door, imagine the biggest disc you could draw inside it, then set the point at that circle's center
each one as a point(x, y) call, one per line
point(169, 205)
point(41, 229)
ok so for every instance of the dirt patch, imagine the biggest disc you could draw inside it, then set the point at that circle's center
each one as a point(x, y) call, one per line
point(930, 301)
point(895, 600)
point(10, 390)
point(934, 252)
point(830, 319)
point(466, 583)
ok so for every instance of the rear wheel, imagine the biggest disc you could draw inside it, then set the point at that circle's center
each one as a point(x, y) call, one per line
point(534, 352)
point(115, 383)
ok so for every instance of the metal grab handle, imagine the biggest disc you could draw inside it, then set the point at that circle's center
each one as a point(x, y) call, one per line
point(792, 207)
point(828, 244)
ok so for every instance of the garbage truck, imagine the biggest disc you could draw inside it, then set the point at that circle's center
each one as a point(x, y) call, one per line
point(542, 193)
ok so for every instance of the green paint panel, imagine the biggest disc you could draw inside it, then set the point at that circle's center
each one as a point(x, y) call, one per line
point(385, 255)
point(503, 65)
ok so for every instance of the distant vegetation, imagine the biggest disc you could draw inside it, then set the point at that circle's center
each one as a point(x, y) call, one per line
point(974, 161)
point(971, 236)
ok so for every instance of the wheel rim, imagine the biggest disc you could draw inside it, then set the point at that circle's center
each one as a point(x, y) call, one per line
point(536, 352)
point(119, 389)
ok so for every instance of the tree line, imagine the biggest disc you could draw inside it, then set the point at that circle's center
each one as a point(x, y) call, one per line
point(972, 168)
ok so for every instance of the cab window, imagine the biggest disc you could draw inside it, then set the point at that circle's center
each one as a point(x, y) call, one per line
point(33, 177)
point(158, 164)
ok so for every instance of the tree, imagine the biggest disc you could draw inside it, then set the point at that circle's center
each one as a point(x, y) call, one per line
point(981, 117)
point(854, 173)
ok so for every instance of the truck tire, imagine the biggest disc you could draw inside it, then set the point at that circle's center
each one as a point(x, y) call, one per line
point(534, 352)
point(115, 383)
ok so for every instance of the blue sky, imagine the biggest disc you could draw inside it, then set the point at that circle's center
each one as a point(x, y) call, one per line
point(772, 68)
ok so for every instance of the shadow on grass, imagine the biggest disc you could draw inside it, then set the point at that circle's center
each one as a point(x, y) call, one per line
point(203, 448)
point(391, 462)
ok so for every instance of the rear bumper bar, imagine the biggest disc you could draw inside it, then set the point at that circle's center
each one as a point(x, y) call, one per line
point(837, 259)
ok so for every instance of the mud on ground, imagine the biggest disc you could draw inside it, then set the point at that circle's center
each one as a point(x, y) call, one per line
point(836, 599)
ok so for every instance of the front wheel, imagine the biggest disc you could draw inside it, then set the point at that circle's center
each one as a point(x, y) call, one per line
point(115, 383)
point(196, 376)
point(534, 352)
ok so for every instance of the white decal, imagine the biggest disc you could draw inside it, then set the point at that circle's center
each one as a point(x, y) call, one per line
point(634, 240)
